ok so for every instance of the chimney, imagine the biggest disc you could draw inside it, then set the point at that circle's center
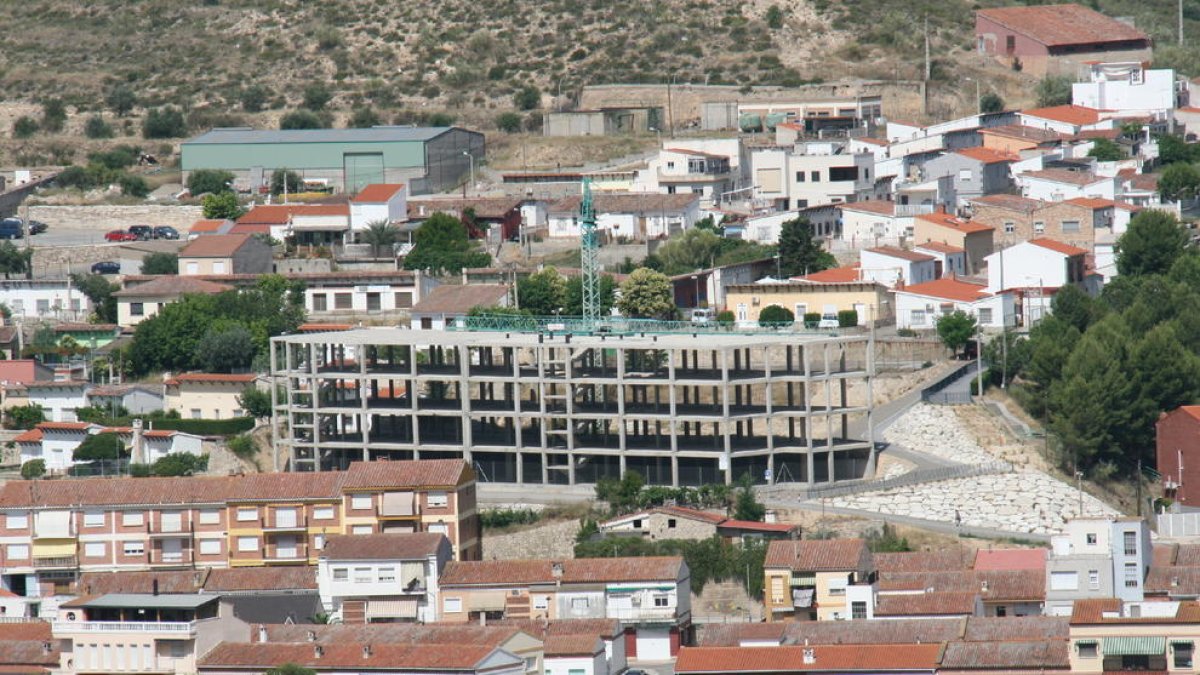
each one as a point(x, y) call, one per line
point(556, 570)
point(262, 633)
point(318, 651)
point(366, 651)
point(46, 648)
point(983, 587)
point(482, 619)
point(137, 453)
point(312, 636)
point(154, 586)
point(810, 656)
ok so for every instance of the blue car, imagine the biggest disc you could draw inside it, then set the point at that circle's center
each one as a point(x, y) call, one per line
point(106, 267)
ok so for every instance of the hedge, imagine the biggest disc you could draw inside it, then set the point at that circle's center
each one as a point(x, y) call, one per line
point(847, 318)
point(229, 427)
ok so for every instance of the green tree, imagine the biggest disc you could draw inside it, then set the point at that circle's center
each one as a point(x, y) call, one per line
point(209, 181)
point(1153, 242)
point(991, 103)
point(97, 128)
point(622, 495)
point(440, 246)
point(254, 98)
point(1172, 149)
point(99, 447)
point(100, 292)
point(256, 402)
point(746, 506)
point(121, 100)
point(1179, 181)
point(543, 293)
point(34, 468)
point(799, 252)
point(24, 416)
point(179, 464)
point(574, 304)
point(134, 186)
point(317, 96)
point(508, 122)
point(381, 235)
point(1105, 150)
point(15, 261)
point(363, 118)
point(528, 97)
point(54, 115)
point(225, 349)
point(243, 446)
point(1072, 305)
point(1164, 376)
point(694, 249)
point(24, 127)
point(282, 178)
point(221, 206)
point(165, 122)
point(774, 17)
point(773, 315)
point(301, 119)
point(1053, 90)
point(160, 263)
point(647, 294)
point(956, 329)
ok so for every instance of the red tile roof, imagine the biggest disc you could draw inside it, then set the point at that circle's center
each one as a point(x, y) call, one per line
point(897, 252)
point(1068, 114)
point(987, 155)
point(32, 436)
point(1018, 132)
point(286, 578)
point(1092, 202)
point(1010, 559)
point(197, 378)
point(1061, 25)
point(954, 223)
point(1011, 202)
point(1058, 247)
point(1078, 178)
point(582, 570)
point(948, 289)
point(323, 327)
point(261, 656)
point(430, 473)
point(878, 206)
point(207, 225)
point(573, 645)
point(756, 526)
point(1016, 628)
point(819, 555)
point(377, 193)
point(604, 628)
point(923, 561)
point(281, 214)
point(214, 246)
point(926, 604)
point(86, 328)
point(939, 247)
point(19, 631)
point(844, 658)
point(837, 275)
point(171, 285)
point(491, 635)
point(409, 546)
point(448, 299)
point(1007, 656)
point(65, 426)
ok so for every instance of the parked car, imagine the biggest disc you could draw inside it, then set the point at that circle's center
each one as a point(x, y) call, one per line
point(702, 315)
point(106, 267)
point(165, 232)
point(37, 227)
point(142, 232)
point(120, 235)
point(12, 228)
point(828, 321)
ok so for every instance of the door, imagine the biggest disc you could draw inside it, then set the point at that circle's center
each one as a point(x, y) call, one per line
point(172, 521)
point(172, 550)
point(285, 547)
point(653, 644)
point(861, 309)
point(285, 517)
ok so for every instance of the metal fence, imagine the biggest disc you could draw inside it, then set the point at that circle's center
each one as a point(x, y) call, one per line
point(936, 395)
point(916, 477)
point(626, 326)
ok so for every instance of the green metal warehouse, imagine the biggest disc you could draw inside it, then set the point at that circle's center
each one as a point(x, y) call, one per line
point(428, 159)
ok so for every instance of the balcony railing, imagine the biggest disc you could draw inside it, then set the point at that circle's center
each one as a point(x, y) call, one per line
point(47, 562)
point(642, 613)
point(124, 627)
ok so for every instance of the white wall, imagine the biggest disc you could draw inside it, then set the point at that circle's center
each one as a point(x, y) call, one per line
point(394, 211)
point(1054, 191)
point(60, 402)
point(44, 299)
point(1026, 265)
point(907, 303)
point(886, 270)
point(863, 228)
point(1126, 87)
point(564, 665)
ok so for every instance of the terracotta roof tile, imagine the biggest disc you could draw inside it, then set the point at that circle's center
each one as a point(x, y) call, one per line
point(942, 581)
point(573, 645)
point(410, 473)
point(410, 546)
point(843, 658)
point(1091, 610)
point(878, 206)
point(1031, 134)
point(1173, 581)
point(323, 327)
point(837, 275)
point(987, 155)
point(628, 202)
point(948, 289)
point(212, 378)
point(26, 653)
point(923, 561)
point(169, 581)
point(902, 254)
point(926, 604)
point(490, 636)
point(1011, 202)
point(1092, 202)
point(1036, 655)
point(756, 526)
point(1010, 559)
point(31, 436)
point(816, 555)
point(1068, 114)
point(262, 656)
point(281, 214)
point(1078, 178)
point(487, 208)
point(377, 193)
point(1011, 585)
point(892, 631)
point(1061, 25)
point(182, 490)
point(20, 631)
point(1059, 247)
point(170, 285)
point(215, 246)
point(939, 247)
point(582, 570)
point(540, 628)
point(286, 578)
point(954, 223)
point(1188, 554)
point(447, 299)
point(207, 225)
point(1016, 628)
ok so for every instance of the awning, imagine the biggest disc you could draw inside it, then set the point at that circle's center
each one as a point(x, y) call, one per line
point(803, 597)
point(392, 609)
point(485, 602)
point(1135, 646)
point(318, 225)
point(48, 548)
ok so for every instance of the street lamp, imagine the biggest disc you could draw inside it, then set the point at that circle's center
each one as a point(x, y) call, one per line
point(695, 290)
point(471, 159)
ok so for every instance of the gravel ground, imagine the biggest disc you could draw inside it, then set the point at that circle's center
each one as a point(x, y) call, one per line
point(937, 430)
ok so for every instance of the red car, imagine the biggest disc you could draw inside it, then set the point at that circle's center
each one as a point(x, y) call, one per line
point(120, 235)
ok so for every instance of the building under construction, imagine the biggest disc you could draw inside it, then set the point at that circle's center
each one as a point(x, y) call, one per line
point(539, 407)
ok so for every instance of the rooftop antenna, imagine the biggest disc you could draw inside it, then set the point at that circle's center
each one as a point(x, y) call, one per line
point(589, 256)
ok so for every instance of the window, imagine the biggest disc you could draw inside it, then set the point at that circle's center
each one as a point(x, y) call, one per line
point(320, 302)
point(374, 303)
point(1064, 581)
point(670, 523)
point(361, 529)
point(387, 575)
point(193, 267)
point(210, 546)
point(1070, 226)
point(360, 502)
point(576, 671)
point(799, 176)
point(1130, 542)
point(319, 542)
point(362, 575)
point(17, 521)
point(93, 549)
point(18, 552)
point(247, 514)
point(247, 544)
point(579, 603)
point(218, 267)
point(1009, 227)
point(541, 602)
point(137, 309)
point(323, 513)
point(1001, 611)
point(985, 316)
point(1039, 227)
point(43, 306)
point(403, 300)
point(437, 500)
point(917, 317)
point(531, 664)
point(1183, 654)
point(1087, 650)
point(662, 601)
point(815, 176)
point(1094, 580)
point(1132, 578)
point(965, 174)
point(1091, 538)
point(132, 518)
point(439, 528)
point(452, 605)
point(858, 609)
point(341, 574)
point(134, 548)
point(343, 301)
point(637, 523)
point(210, 517)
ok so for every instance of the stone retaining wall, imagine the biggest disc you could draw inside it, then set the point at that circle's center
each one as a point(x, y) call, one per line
point(110, 217)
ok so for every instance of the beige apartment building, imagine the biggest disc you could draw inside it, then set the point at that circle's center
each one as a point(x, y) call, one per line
point(817, 580)
point(871, 300)
point(210, 396)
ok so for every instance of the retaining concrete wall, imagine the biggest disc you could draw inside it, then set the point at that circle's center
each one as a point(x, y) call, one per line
point(105, 217)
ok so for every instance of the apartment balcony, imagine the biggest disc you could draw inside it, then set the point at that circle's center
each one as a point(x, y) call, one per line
point(276, 524)
point(55, 562)
point(655, 614)
point(181, 628)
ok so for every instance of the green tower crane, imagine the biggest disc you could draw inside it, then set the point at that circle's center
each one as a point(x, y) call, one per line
point(589, 251)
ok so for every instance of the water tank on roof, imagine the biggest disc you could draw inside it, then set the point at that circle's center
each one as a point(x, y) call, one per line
point(775, 119)
point(749, 122)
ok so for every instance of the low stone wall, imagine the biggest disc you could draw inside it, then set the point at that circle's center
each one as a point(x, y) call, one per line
point(110, 217)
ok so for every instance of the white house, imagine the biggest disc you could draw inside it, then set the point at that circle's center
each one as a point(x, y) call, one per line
point(630, 215)
point(447, 304)
point(1033, 271)
point(873, 223)
point(44, 299)
point(1056, 185)
point(574, 655)
point(54, 442)
point(1126, 87)
point(385, 202)
point(889, 265)
point(158, 443)
point(59, 399)
point(950, 260)
point(682, 170)
point(812, 174)
point(918, 307)
point(383, 577)
point(1067, 119)
point(362, 294)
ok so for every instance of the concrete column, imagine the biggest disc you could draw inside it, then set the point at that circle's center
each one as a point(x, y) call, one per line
point(464, 402)
point(275, 440)
point(728, 451)
point(807, 420)
point(314, 402)
point(362, 404)
point(412, 401)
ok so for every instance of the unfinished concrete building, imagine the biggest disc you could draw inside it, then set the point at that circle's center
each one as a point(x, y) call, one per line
point(679, 409)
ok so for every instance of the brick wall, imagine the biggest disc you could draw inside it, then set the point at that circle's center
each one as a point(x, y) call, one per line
point(1178, 435)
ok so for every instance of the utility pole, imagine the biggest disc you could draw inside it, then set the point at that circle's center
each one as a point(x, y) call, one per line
point(1180, 23)
point(670, 108)
point(928, 69)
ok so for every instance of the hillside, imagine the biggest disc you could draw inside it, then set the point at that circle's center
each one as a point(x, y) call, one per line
point(405, 60)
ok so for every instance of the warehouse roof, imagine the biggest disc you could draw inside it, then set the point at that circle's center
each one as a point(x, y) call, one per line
point(246, 135)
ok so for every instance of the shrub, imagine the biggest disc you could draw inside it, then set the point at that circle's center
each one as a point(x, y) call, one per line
point(134, 186)
point(214, 181)
point(34, 468)
point(528, 97)
point(139, 470)
point(508, 122)
point(98, 447)
point(301, 119)
point(243, 446)
point(774, 314)
point(96, 128)
point(180, 464)
point(726, 317)
point(254, 98)
point(317, 96)
point(117, 158)
point(54, 115)
point(24, 127)
point(812, 319)
point(121, 100)
point(363, 118)
point(166, 122)
point(222, 427)
point(847, 318)
point(281, 178)
point(24, 416)
point(906, 332)
point(497, 518)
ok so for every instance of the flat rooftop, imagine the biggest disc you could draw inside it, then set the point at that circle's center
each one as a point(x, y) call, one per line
point(700, 340)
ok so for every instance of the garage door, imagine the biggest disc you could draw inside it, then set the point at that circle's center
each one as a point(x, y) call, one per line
point(653, 644)
point(362, 169)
